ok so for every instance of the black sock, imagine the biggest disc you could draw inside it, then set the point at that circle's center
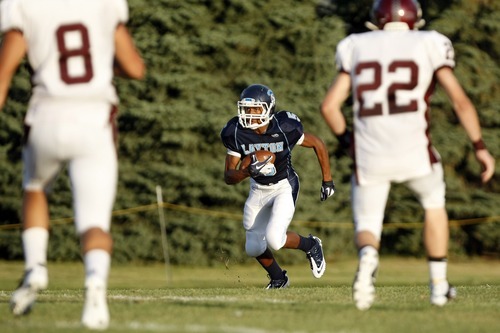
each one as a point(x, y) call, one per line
point(274, 270)
point(306, 243)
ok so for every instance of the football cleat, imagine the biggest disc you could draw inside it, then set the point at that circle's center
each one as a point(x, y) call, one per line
point(95, 310)
point(24, 297)
point(279, 284)
point(442, 293)
point(316, 258)
point(363, 288)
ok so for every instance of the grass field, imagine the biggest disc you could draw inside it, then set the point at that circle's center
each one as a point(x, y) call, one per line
point(232, 299)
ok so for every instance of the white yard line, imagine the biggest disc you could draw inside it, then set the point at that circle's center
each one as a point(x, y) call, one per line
point(216, 299)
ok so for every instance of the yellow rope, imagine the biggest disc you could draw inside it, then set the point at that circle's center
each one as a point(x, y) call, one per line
point(212, 213)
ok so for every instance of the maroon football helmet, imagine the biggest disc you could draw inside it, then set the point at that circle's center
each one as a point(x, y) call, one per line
point(407, 11)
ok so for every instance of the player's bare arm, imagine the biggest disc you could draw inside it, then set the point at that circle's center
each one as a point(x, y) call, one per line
point(327, 185)
point(462, 105)
point(335, 97)
point(232, 175)
point(12, 51)
point(467, 114)
point(128, 61)
point(312, 141)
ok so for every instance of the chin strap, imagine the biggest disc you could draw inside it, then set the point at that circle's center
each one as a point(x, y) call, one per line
point(419, 24)
point(371, 26)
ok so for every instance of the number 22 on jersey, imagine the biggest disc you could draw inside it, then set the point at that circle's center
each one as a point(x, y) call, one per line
point(378, 73)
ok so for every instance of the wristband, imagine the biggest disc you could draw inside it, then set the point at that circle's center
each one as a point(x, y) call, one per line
point(479, 144)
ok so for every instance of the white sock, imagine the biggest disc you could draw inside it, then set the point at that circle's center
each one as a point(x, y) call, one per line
point(35, 241)
point(97, 263)
point(368, 260)
point(437, 271)
point(368, 250)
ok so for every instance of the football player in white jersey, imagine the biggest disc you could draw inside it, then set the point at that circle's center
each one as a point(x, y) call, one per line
point(72, 46)
point(391, 72)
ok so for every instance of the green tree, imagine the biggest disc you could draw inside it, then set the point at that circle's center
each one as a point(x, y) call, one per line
point(200, 55)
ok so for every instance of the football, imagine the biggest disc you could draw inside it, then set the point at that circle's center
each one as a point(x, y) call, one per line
point(261, 155)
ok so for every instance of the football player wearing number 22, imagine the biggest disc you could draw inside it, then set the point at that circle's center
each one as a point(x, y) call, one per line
point(392, 71)
point(71, 47)
point(274, 188)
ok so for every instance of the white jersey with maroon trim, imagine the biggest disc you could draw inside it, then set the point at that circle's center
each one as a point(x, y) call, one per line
point(71, 47)
point(392, 74)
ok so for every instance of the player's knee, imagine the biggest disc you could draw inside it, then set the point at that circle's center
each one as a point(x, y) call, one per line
point(96, 238)
point(369, 226)
point(254, 247)
point(276, 242)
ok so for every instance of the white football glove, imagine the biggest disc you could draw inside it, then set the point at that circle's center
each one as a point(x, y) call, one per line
point(255, 168)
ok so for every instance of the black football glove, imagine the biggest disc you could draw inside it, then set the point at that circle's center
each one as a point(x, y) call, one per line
point(327, 190)
point(255, 167)
point(345, 141)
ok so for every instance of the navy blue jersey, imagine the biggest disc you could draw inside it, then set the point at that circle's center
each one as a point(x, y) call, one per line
point(283, 133)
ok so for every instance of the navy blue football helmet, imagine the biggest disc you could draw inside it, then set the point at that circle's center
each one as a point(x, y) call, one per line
point(256, 96)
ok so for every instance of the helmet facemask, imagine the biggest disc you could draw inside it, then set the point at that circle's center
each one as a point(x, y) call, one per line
point(253, 120)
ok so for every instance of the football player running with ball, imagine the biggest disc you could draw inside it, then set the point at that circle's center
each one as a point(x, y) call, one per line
point(274, 187)
point(392, 71)
point(71, 47)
